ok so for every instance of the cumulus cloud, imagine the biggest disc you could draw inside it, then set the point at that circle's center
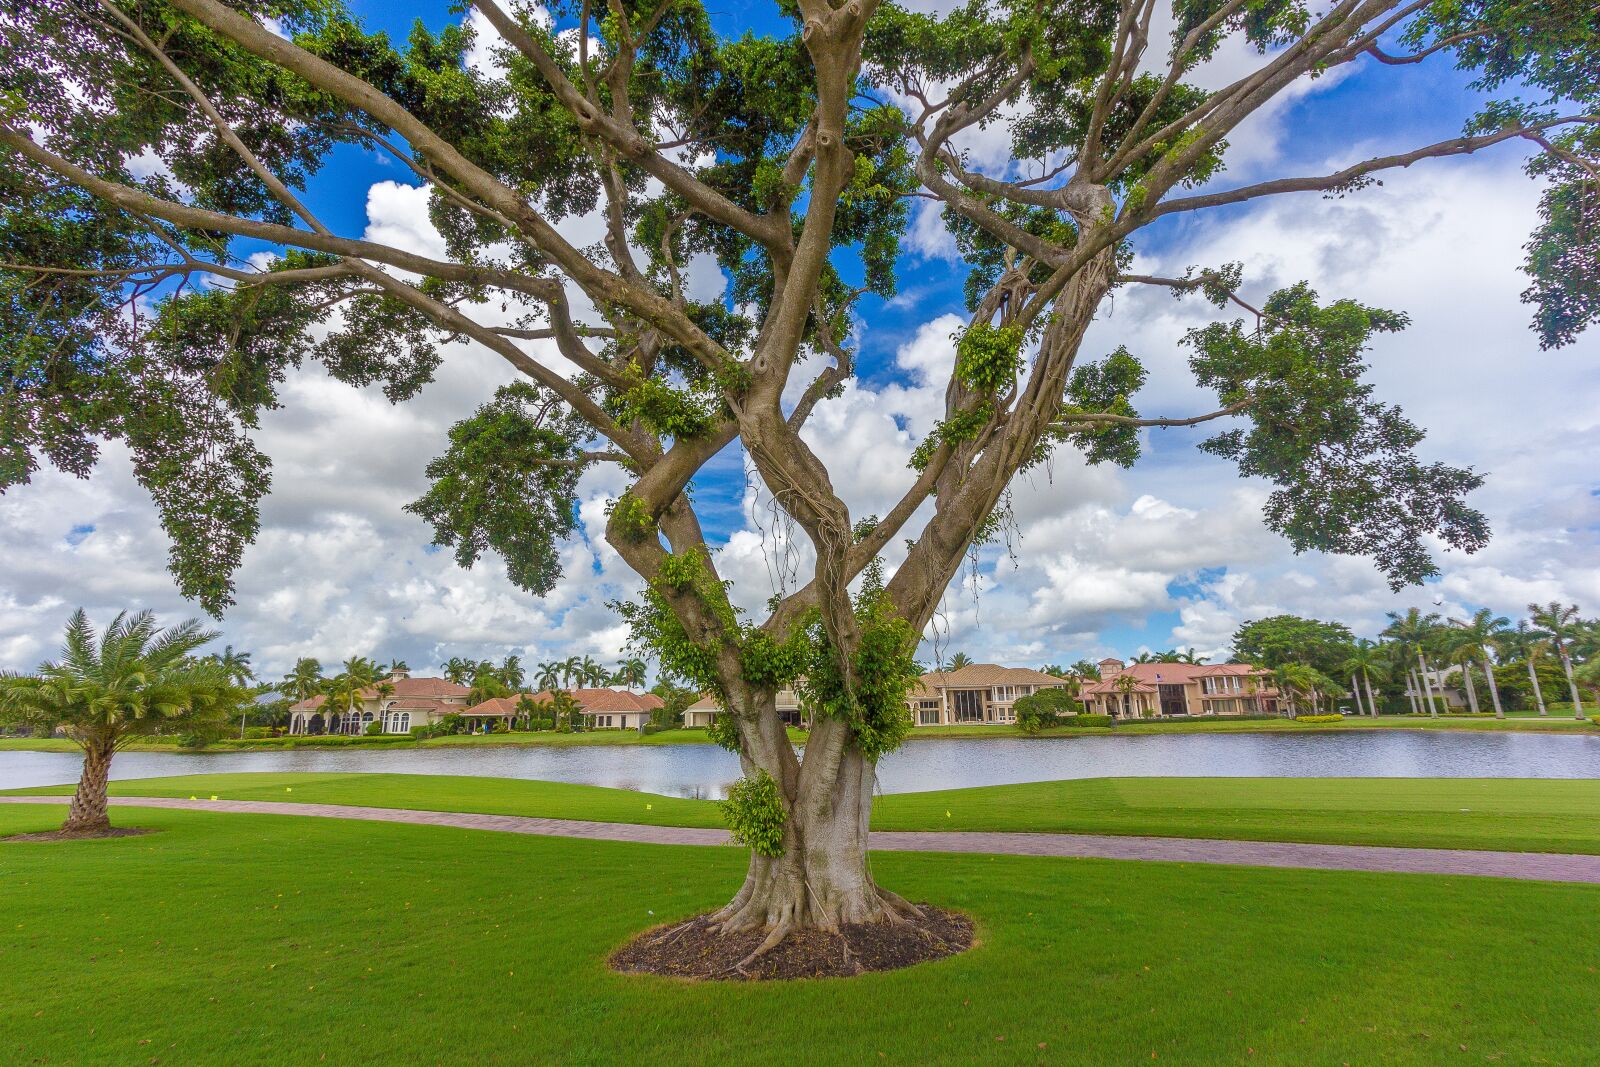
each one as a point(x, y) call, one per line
point(1097, 560)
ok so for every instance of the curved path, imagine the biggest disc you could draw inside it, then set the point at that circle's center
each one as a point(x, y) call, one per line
point(1535, 866)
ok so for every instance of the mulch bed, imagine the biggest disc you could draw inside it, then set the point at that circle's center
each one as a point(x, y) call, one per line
point(690, 950)
point(62, 835)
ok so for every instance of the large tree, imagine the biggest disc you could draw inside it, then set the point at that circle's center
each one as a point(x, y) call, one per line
point(791, 160)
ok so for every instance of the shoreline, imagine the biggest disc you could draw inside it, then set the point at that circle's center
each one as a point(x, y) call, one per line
point(1552, 724)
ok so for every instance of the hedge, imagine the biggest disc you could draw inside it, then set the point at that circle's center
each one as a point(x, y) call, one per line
point(315, 741)
point(1086, 719)
point(1319, 718)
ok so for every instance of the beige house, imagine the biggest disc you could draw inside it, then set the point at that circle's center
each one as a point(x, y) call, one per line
point(602, 709)
point(979, 693)
point(703, 712)
point(399, 703)
point(1145, 690)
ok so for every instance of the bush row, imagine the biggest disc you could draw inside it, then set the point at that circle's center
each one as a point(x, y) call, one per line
point(1319, 718)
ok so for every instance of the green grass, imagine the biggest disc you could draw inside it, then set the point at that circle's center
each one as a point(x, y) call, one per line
point(1515, 814)
point(243, 940)
point(1515, 721)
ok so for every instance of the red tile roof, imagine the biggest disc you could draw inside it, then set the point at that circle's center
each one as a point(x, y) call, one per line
point(400, 689)
point(589, 700)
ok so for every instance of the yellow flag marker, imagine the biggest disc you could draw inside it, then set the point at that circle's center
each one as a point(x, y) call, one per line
point(213, 796)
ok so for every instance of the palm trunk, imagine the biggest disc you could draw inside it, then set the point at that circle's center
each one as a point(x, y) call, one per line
point(88, 813)
point(1427, 687)
point(1472, 689)
point(1538, 694)
point(1577, 704)
point(1371, 703)
point(1413, 687)
point(1355, 691)
point(1494, 688)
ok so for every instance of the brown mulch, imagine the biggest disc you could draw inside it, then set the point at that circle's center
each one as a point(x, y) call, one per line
point(62, 835)
point(690, 950)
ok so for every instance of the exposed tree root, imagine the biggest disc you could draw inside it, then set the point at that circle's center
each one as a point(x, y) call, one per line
point(791, 948)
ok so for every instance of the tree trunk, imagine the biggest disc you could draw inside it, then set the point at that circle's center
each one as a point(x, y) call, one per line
point(822, 879)
point(1371, 703)
point(88, 814)
point(1538, 694)
point(1413, 687)
point(1472, 689)
point(1494, 688)
point(1577, 704)
point(1427, 687)
point(1355, 691)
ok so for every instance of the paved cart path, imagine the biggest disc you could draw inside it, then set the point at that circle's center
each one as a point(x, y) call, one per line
point(1536, 866)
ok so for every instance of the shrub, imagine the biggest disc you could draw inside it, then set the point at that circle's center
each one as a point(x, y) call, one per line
point(1319, 718)
point(1086, 719)
point(1041, 710)
point(374, 729)
point(258, 732)
point(755, 814)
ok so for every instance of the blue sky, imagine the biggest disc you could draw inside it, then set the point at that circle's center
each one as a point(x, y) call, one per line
point(1170, 554)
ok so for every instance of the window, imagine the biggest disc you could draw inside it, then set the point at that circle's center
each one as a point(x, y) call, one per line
point(967, 704)
point(928, 716)
point(397, 722)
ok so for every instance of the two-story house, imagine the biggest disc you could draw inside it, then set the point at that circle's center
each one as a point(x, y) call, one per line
point(1145, 690)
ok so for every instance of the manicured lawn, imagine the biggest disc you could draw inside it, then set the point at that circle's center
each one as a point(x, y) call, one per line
point(268, 940)
point(1518, 814)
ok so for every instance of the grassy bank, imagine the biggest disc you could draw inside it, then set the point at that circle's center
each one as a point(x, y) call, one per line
point(1515, 722)
point(1519, 814)
point(266, 940)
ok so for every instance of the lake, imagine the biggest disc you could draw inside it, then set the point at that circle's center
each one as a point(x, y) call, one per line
point(922, 764)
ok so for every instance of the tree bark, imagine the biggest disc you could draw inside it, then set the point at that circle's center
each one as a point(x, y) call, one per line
point(1494, 688)
point(1413, 687)
point(822, 880)
point(88, 813)
point(1577, 703)
point(1538, 694)
point(1427, 687)
point(1371, 703)
point(1472, 689)
point(1355, 691)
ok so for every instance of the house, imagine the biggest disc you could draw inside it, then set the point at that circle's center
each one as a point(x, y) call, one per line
point(703, 712)
point(1144, 690)
point(979, 693)
point(1447, 683)
point(399, 702)
point(602, 709)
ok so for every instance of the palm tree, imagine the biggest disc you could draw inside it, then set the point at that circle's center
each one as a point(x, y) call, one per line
point(1188, 656)
point(548, 677)
point(959, 660)
point(486, 685)
point(134, 682)
point(1460, 651)
point(1559, 623)
point(631, 673)
point(590, 672)
point(511, 673)
point(1084, 669)
point(1365, 659)
point(457, 670)
point(1480, 633)
point(399, 665)
point(1145, 657)
point(304, 682)
point(1527, 644)
point(236, 665)
point(572, 671)
point(1414, 632)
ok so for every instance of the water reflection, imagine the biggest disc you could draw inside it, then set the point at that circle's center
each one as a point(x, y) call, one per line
point(928, 763)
